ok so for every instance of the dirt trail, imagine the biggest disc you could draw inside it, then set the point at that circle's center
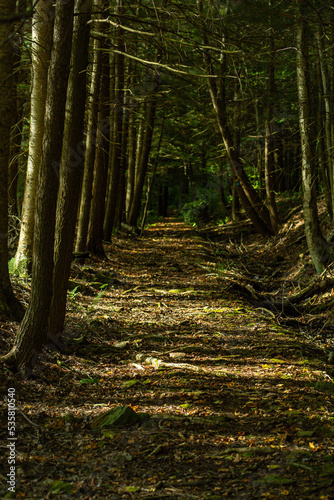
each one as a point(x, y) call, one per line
point(239, 406)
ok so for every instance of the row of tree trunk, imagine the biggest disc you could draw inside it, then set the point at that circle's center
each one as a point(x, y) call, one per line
point(71, 177)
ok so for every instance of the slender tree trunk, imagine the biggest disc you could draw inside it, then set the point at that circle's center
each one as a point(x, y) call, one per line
point(117, 100)
point(319, 249)
point(150, 186)
point(71, 168)
point(97, 208)
point(269, 161)
point(120, 209)
point(42, 27)
point(329, 165)
point(17, 119)
point(321, 148)
point(9, 305)
point(33, 333)
point(143, 155)
point(87, 183)
point(131, 148)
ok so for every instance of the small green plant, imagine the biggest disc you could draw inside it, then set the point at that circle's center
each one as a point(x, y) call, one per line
point(100, 294)
point(73, 293)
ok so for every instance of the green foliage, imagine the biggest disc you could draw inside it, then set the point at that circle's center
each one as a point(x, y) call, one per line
point(204, 208)
point(73, 293)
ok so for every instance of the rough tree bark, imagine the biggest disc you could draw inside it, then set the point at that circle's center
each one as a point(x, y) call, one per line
point(71, 168)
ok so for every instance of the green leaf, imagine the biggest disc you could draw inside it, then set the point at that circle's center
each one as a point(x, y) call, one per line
point(60, 486)
point(89, 380)
point(129, 383)
point(302, 433)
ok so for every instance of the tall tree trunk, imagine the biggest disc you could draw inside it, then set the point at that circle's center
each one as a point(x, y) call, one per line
point(42, 27)
point(9, 305)
point(150, 185)
point(329, 165)
point(97, 208)
point(117, 101)
point(144, 153)
point(120, 209)
point(33, 331)
point(17, 117)
point(319, 249)
point(71, 168)
point(87, 183)
point(269, 158)
point(131, 158)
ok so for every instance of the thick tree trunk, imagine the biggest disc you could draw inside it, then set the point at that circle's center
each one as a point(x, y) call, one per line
point(9, 305)
point(87, 183)
point(71, 169)
point(33, 333)
point(42, 26)
point(319, 249)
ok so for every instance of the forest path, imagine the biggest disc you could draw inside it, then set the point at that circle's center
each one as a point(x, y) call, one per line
point(238, 406)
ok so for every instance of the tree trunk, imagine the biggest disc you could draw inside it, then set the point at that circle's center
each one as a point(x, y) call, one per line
point(117, 100)
point(144, 153)
point(269, 158)
point(17, 118)
point(10, 307)
point(150, 185)
point(97, 209)
point(319, 249)
point(131, 150)
point(33, 333)
point(87, 183)
point(329, 165)
point(42, 25)
point(71, 168)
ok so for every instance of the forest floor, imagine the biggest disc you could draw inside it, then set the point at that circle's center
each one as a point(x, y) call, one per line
point(233, 401)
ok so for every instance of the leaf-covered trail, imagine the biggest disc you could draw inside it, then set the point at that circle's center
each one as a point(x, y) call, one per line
point(237, 405)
